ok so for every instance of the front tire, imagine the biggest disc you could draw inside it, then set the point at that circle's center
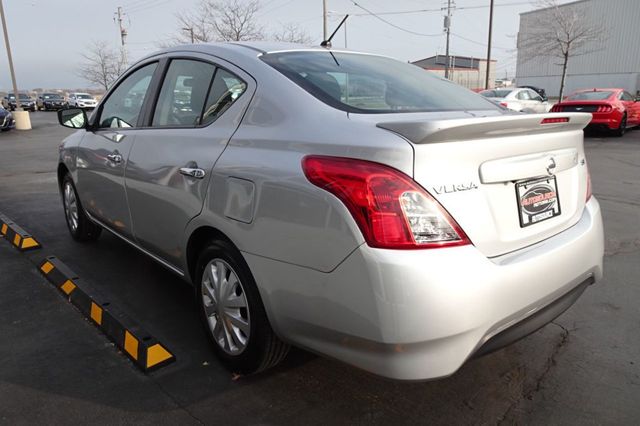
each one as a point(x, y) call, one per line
point(232, 311)
point(80, 226)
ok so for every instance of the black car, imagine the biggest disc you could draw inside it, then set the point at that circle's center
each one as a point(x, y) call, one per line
point(26, 102)
point(51, 101)
point(6, 120)
point(539, 91)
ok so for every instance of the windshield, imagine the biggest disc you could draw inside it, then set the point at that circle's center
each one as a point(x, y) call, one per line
point(20, 95)
point(51, 96)
point(372, 84)
point(83, 96)
point(495, 93)
point(589, 96)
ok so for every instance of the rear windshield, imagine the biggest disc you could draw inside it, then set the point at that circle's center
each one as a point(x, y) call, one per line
point(589, 96)
point(495, 93)
point(373, 84)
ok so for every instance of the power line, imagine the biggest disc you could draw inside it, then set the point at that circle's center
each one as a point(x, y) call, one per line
point(407, 12)
point(392, 24)
point(479, 43)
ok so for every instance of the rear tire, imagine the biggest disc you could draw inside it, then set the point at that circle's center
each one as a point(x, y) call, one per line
point(620, 131)
point(80, 226)
point(232, 311)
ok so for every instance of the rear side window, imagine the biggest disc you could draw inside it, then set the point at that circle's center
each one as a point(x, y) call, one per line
point(373, 84)
point(226, 88)
point(183, 94)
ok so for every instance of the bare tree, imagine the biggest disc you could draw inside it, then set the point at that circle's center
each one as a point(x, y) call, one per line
point(560, 32)
point(292, 33)
point(102, 64)
point(220, 20)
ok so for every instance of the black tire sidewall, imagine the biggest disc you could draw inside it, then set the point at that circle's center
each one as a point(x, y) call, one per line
point(251, 358)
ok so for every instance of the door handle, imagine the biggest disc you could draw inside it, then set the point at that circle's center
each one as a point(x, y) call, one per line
point(115, 158)
point(193, 172)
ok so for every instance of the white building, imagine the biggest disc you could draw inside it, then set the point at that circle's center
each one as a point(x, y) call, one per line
point(614, 61)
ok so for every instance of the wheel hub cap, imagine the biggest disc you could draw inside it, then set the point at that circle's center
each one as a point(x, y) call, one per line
point(225, 306)
point(70, 206)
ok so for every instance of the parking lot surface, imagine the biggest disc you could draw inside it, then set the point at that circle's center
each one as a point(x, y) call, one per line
point(584, 368)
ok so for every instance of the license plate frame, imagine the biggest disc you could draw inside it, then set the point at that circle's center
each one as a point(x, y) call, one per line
point(538, 200)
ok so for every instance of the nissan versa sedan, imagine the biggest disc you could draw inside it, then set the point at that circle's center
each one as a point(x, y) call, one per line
point(346, 203)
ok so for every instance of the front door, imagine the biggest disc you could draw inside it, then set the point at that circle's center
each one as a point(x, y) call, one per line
point(103, 151)
point(199, 107)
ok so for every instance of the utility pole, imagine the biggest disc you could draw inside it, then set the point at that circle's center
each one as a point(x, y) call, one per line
point(447, 28)
point(123, 34)
point(190, 30)
point(324, 20)
point(486, 83)
point(10, 58)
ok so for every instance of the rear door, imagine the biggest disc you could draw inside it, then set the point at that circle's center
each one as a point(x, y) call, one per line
point(484, 170)
point(198, 108)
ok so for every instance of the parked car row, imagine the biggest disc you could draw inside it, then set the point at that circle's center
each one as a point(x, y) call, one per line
point(49, 101)
point(614, 110)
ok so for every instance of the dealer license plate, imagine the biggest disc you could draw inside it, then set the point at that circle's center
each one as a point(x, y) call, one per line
point(537, 200)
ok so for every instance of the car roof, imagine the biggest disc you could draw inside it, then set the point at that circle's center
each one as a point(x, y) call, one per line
point(598, 90)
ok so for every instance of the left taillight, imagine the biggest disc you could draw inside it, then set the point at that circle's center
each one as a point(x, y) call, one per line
point(391, 209)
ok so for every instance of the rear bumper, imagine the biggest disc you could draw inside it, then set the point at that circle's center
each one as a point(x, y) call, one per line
point(418, 315)
point(607, 122)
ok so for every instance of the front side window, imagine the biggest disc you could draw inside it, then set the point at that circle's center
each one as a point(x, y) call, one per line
point(373, 84)
point(183, 93)
point(123, 106)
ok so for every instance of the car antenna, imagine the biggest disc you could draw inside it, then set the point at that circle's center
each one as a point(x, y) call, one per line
point(327, 42)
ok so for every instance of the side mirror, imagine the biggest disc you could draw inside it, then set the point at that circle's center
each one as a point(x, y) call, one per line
point(74, 118)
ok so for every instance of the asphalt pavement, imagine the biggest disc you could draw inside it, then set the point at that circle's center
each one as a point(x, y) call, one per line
point(57, 368)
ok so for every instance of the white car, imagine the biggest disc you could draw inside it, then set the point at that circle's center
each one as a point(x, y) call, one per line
point(518, 99)
point(82, 100)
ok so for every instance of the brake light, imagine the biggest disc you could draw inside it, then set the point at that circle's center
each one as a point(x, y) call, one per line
point(557, 108)
point(503, 104)
point(604, 108)
point(391, 209)
point(554, 120)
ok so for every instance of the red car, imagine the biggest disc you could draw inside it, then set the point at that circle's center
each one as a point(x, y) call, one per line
point(612, 109)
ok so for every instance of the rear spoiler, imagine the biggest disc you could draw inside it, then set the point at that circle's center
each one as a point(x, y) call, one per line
point(436, 131)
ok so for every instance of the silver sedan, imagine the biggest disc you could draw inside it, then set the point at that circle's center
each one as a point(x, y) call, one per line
point(346, 203)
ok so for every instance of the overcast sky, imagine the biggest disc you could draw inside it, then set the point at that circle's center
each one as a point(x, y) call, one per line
point(48, 36)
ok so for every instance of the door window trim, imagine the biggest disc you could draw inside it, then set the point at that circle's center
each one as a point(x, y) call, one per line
point(165, 62)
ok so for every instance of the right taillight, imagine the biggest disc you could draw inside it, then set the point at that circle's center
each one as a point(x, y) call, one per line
point(390, 208)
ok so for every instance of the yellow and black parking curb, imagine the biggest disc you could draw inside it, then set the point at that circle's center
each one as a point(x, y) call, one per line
point(17, 236)
point(145, 351)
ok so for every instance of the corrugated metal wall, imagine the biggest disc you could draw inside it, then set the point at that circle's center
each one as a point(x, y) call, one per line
point(614, 63)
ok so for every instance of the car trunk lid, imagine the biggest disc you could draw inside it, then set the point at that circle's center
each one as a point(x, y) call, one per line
point(483, 170)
